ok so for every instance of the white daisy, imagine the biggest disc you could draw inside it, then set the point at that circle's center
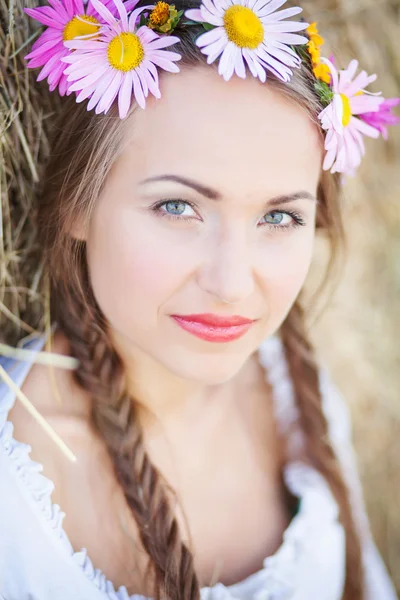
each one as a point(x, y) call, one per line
point(251, 32)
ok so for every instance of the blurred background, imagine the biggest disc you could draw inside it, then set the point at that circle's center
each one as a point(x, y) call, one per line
point(358, 333)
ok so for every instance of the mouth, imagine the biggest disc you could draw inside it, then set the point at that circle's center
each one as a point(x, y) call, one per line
point(214, 328)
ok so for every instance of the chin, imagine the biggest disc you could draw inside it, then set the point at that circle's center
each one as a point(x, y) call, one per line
point(213, 369)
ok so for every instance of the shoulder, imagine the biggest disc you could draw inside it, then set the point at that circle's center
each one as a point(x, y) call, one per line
point(55, 394)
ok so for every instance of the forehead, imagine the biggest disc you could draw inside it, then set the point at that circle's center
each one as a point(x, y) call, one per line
point(235, 135)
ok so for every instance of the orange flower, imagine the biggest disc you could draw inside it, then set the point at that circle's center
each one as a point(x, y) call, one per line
point(313, 51)
point(322, 72)
point(314, 35)
point(160, 14)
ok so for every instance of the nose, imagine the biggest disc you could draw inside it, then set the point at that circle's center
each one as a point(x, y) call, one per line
point(227, 271)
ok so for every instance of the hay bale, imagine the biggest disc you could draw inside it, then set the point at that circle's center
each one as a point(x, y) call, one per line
point(26, 110)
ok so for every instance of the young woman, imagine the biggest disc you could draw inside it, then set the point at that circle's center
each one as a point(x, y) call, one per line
point(214, 457)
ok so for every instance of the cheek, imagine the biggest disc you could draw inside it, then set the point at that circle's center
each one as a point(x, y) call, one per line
point(131, 273)
point(285, 272)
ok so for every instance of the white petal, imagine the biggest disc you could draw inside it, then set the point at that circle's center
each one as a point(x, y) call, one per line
point(263, 8)
point(210, 37)
point(226, 63)
point(282, 14)
point(240, 69)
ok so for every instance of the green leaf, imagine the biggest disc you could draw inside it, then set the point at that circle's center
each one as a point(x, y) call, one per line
point(324, 92)
point(208, 26)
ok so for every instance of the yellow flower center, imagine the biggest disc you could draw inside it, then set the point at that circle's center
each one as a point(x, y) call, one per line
point(84, 25)
point(243, 27)
point(125, 52)
point(346, 110)
point(160, 14)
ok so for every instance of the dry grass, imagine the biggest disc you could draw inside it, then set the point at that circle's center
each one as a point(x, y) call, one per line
point(358, 334)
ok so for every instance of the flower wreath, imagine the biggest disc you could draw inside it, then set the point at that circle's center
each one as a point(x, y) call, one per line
point(104, 49)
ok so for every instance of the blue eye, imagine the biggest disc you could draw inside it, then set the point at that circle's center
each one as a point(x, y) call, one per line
point(175, 207)
point(177, 210)
point(275, 217)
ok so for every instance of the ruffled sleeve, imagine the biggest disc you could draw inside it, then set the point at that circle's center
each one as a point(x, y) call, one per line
point(377, 580)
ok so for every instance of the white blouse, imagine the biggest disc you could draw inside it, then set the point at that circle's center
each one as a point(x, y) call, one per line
point(38, 562)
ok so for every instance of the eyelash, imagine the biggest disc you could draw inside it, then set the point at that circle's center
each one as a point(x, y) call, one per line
point(298, 221)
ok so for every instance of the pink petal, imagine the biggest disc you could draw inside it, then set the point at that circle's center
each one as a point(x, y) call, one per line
point(62, 86)
point(41, 15)
point(359, 83)
point(86, 93)
point(167, 65)
point(62, 9)
point(110, 94)
point(89, 79)
point(44, 48)
point(77, 44)
point(151, 83)
point(134, 16)
point(137, 90)
point(102, 86)
point(47, 35)
point(364, 103)
point(103, 11)
point(153, 73)
point(163, 42)
point(146, 34)
point(363, 127)
point(54, 78)
point(48, 67)
point(329, 158)
point(141, 73)
point(124, 95)
point(122, 13)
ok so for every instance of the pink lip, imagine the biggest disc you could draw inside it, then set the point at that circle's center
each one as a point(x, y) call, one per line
point(214, 328)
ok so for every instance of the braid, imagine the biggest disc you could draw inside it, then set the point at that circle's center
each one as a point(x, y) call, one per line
point(113, 414)
point(304, 374)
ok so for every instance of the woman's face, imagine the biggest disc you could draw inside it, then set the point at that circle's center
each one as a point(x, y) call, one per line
point(212, 199)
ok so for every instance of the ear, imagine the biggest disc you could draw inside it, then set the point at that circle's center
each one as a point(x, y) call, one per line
point(78, 230)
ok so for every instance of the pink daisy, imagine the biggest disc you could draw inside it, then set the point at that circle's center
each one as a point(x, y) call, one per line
point(121, 60)
point(65, 19)
point(344, 142)
point(250, 32)
point(383, 117)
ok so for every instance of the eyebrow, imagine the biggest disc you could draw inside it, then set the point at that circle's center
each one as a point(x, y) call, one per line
point(214, 195)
